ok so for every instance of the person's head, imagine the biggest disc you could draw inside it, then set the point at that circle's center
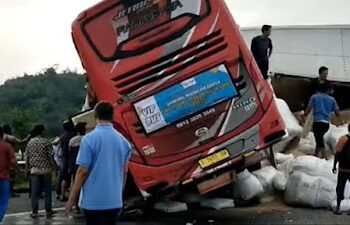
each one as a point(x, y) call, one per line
point(68, 126)
point(38, 130)
point(266, 30)
point(323, 88)
point(80, 128)
point(104, 111)
point(323, 73)
point(7, 129)
point(1, 133)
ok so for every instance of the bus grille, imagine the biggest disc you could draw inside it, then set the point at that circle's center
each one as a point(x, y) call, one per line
point(169, 65)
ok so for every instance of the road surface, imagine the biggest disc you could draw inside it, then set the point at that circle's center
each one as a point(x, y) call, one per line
point(275, 213)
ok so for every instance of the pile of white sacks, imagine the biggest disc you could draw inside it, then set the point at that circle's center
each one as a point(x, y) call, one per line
point(304, 180)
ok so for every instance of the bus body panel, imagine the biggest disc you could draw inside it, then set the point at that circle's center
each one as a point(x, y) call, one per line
point(130, 63)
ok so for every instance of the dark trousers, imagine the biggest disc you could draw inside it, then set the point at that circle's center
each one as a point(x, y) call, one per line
point(12, 180)
point(342, 178)
point(59, 182)
point(38, 183)
point(4, 197)
point(12, 186)
point(101, 217)
point(264, 68)
point(319, 129)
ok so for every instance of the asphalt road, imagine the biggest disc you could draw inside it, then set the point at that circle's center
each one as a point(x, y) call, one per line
point(275, 213)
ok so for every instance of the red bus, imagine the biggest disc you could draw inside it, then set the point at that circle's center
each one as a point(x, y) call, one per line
point(186, 89)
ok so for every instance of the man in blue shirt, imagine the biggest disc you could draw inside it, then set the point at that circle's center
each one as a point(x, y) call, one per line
point(322, 105)
point(103, 165)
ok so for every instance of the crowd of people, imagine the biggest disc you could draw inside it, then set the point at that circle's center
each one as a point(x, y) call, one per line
point(43, 158)
point(85, 164)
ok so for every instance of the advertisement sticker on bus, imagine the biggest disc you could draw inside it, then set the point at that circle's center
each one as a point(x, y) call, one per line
point(186, 98)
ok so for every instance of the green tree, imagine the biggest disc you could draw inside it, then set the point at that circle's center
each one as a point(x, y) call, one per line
point(48, 97)
point(22, 121)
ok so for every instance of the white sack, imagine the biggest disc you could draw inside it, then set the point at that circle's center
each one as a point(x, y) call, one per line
point(266, 176)
point(313, 166)
point(247, 186)
point(265, 163)
point(291, 123)
point(280, 181)
point(281, 158)
point(303, 189)
point(282, 145)
point(347, 190)
point(326, 193)
point(300, 189)
point(332, 136)
point(286, 167)
point(307, 145)
point(308, 124)
point(344, 205)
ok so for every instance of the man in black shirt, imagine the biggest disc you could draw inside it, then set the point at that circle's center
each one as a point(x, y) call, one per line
point(321, 79)
point(262, 49)
point(64, 178)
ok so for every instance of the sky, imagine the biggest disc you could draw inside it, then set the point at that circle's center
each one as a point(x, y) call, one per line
point(35, 34)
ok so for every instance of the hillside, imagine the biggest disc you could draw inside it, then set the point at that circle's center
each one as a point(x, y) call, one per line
point(48, 98)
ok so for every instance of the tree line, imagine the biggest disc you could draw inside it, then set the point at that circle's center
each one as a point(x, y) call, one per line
point(48, 98)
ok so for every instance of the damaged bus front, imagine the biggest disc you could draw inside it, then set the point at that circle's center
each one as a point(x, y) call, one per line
point(186, 90)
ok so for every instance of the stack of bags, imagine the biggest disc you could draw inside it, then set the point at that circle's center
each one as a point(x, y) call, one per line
point(305, 181)
point(261, 183)
point(310, 182)
point(332, 136)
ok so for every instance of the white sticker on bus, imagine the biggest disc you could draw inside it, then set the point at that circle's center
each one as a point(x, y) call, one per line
point(150, 114)
point(188, 83)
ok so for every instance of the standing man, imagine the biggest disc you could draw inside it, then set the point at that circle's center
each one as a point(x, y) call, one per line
point(103, 166)
point(322, 106)
point(64, 179)
point(262, 49)
point(11, 139)
point(315, 83)
point(343, 157)
point(14, 142)
point(74, 146)
point(7, 160)
point(41, 164)
point(321, 79)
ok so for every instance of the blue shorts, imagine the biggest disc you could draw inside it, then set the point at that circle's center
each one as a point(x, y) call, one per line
point(4, 197)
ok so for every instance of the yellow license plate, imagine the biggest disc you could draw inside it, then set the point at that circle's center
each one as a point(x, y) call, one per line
point(214, 158)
